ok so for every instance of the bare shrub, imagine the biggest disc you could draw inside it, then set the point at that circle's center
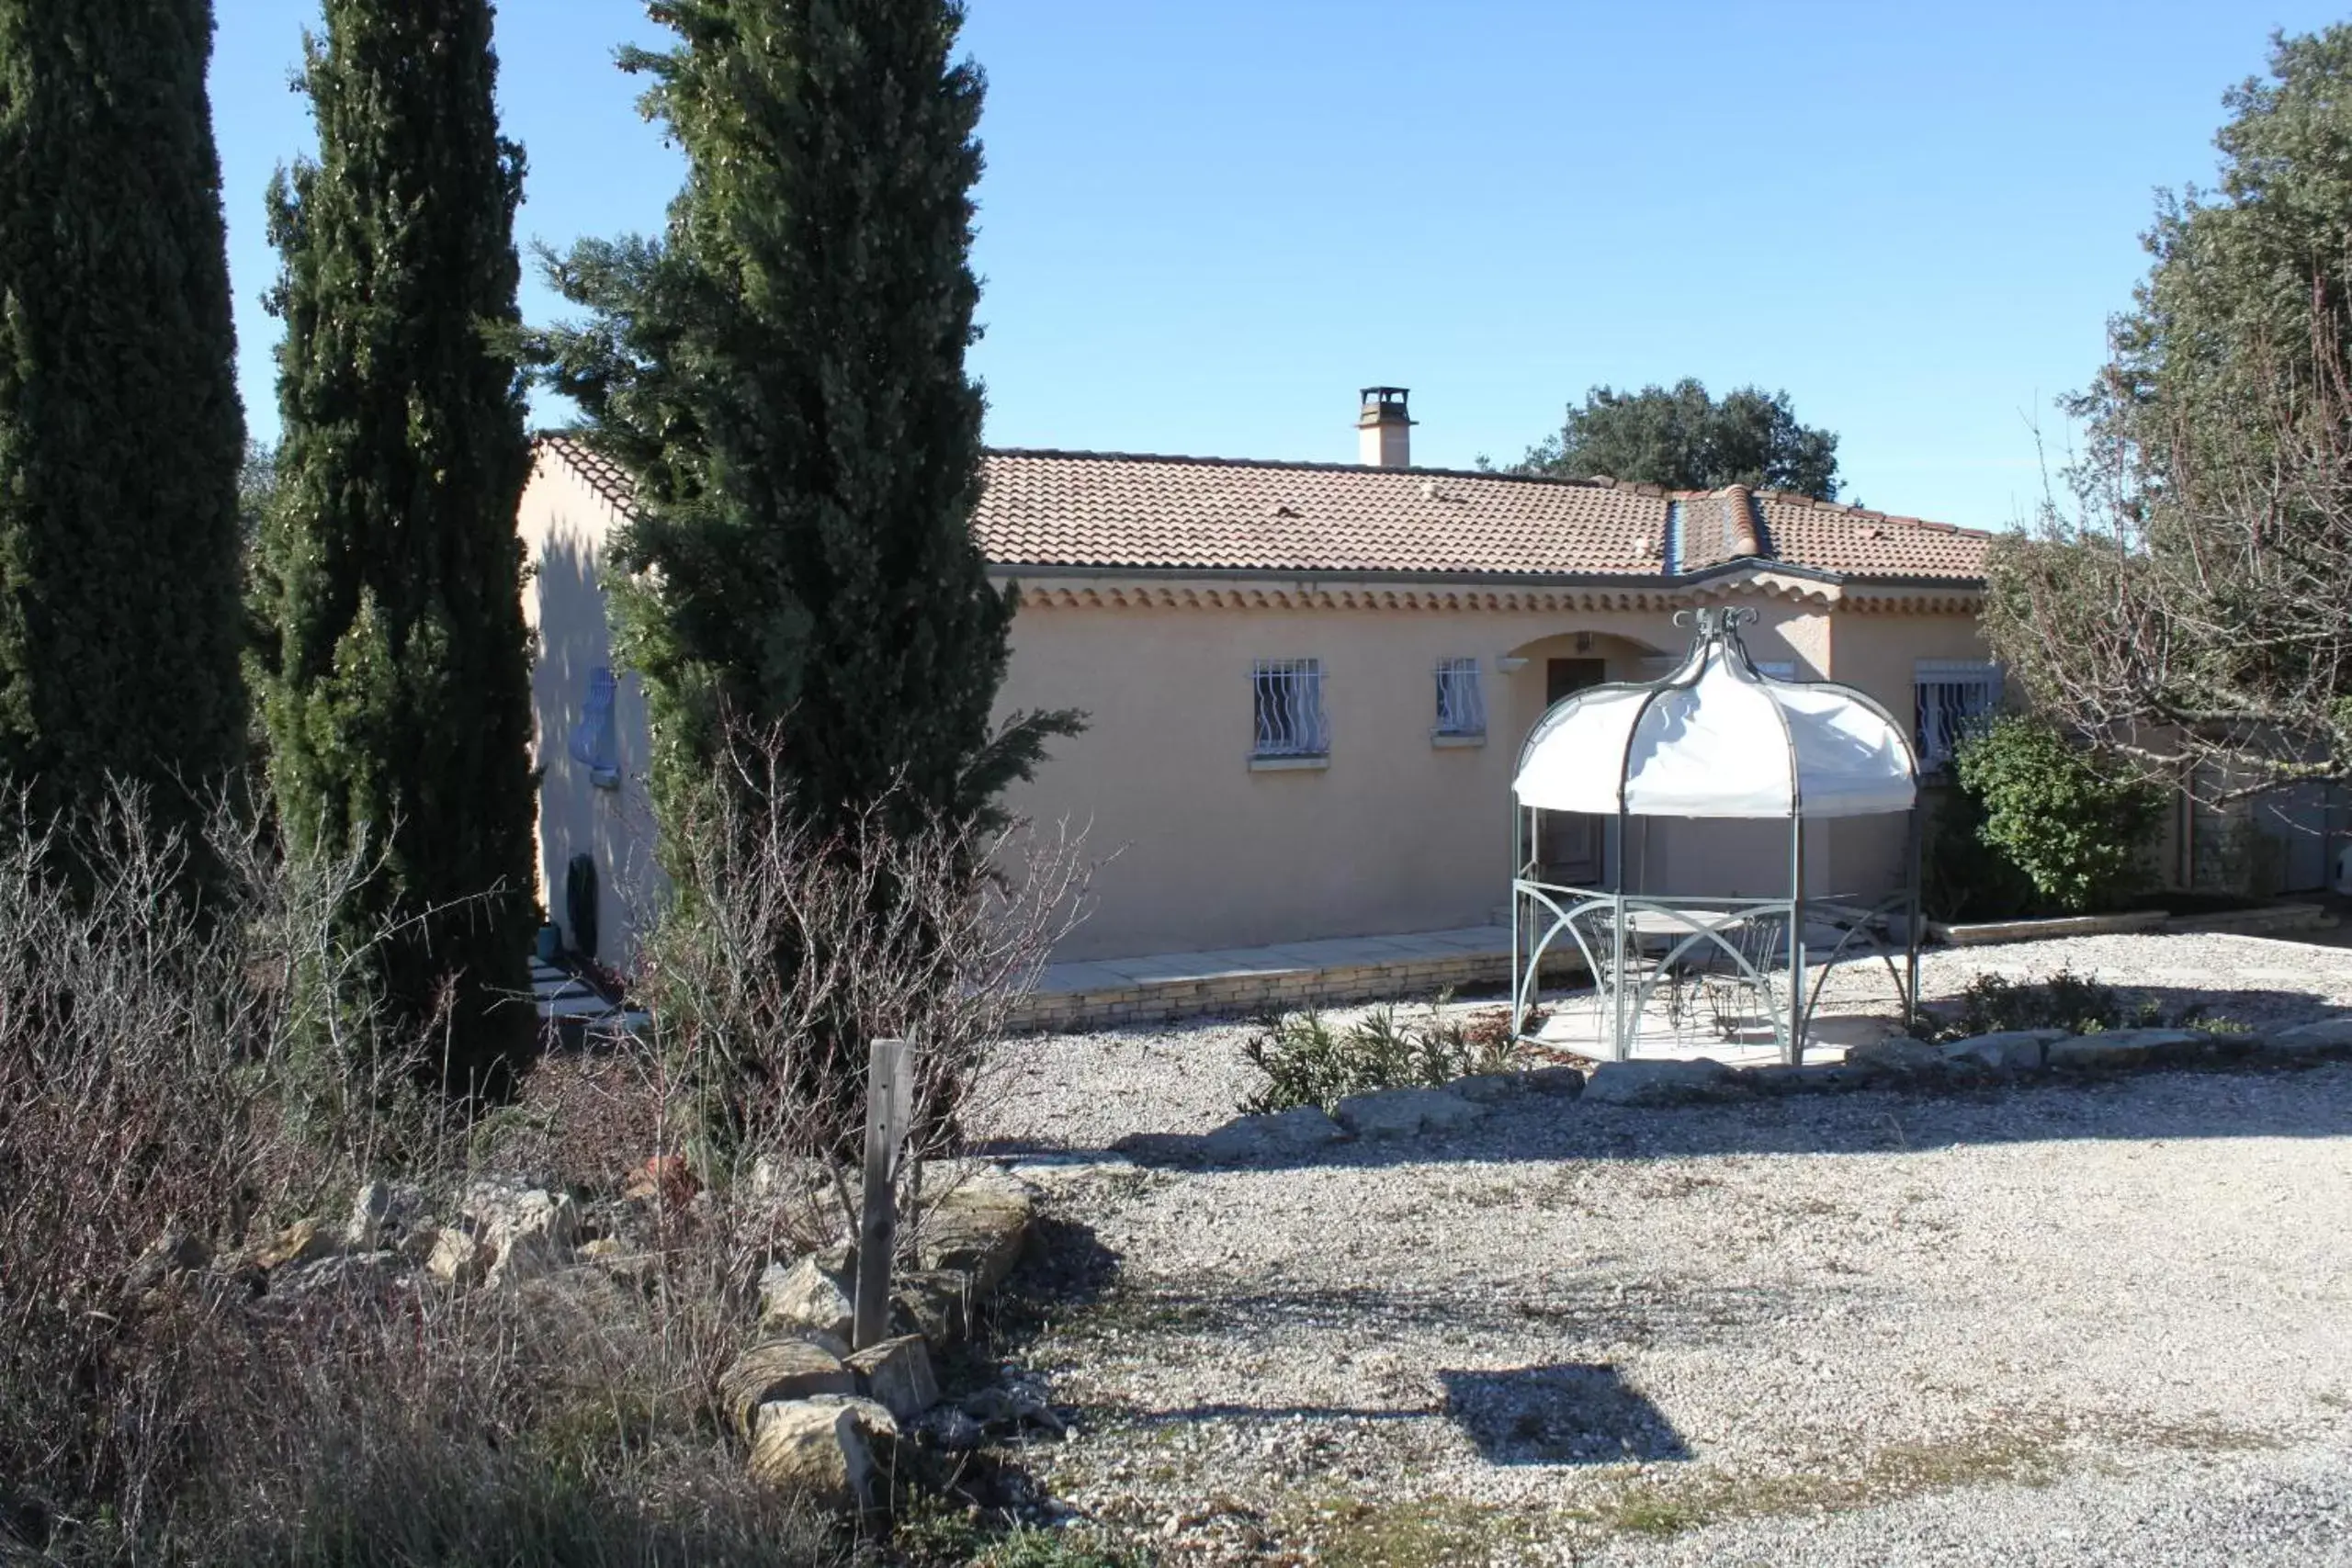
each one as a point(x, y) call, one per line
point(169, 1096)
point(539, 1426)
point(2186, 610)
point(787, 950)
point(137, 1039)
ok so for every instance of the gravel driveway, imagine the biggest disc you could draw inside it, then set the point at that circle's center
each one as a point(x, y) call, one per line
point(2102, 1322)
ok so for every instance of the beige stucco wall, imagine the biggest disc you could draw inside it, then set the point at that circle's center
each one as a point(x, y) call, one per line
point(1877, 651)
point(1395, 834)
point(566, 527)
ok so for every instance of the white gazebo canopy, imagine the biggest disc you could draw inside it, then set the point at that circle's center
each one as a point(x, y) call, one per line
point(1718, 737)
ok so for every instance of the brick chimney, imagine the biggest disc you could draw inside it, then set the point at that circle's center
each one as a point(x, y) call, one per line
point(1383, 431)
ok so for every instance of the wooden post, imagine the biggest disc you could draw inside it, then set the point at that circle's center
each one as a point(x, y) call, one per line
point(889, 1105)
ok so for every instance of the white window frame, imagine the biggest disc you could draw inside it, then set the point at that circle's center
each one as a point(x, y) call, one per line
point(1461, 704)
point(1949, 698)
point(1290, 724)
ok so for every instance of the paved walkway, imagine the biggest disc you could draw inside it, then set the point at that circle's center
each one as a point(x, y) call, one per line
point(1491, 943)
point(1415, 966)
point(567, 1003)
point(1240, 980)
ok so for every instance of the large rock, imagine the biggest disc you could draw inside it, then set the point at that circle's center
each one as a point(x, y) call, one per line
point(1281, 1134)
point(779, 1370)
point(1661, 1082)
point(520, 1207)
point(896, 1374)
point(2004, 1051)
point(2329, 1037)
point(1804, 1077)
point(1405, 1112)
point(1900, 1057)
point(815, 1295)
point(531, 1236)
point(304, 1241)
point(948, 1429)
point(382, 1215)
point(1007, 1407)
point(2123, 1047)
point(345, 1276)
point(933, 1302)
point(665, 1180)
point(1492, 1089)
point(980, 1227)
point(169, 1256)
point(832, 1451)
point(458, 1256)
point(1561, 1082)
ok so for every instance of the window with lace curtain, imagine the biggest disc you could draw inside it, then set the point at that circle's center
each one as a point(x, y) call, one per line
point(1955, 698)
point(1460, 700)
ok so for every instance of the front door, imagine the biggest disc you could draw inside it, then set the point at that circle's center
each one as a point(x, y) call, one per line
point(1570, 841)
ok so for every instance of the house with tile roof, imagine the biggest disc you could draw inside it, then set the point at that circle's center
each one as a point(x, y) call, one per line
point(1306, 682)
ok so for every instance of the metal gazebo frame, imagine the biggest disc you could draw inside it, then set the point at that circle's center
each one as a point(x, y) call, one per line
point(1708, 919)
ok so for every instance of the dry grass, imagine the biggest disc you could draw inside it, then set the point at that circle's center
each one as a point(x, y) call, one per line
point(164, 1080)
point(182, 1072)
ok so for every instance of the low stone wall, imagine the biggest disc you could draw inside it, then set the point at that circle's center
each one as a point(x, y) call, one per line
point(2266, 921)
point(1246, 993)
point(1984, 933)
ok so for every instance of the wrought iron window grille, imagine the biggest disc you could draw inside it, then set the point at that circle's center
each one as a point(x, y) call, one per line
point(1461, 699)
point(1286, 699)
point(1956, 698)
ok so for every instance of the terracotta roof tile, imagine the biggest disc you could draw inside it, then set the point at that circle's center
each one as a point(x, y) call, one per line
point(1114, 510)
point(1088, 509)
point(1854, 543)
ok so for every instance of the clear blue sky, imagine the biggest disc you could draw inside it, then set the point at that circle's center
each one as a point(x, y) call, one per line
point(1206, 222)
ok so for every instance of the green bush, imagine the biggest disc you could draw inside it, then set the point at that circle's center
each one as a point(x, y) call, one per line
point(1962, 877)
point(2079, 1004)
point(1990, 1004)
point(2077, 826)
point(1308, 1062)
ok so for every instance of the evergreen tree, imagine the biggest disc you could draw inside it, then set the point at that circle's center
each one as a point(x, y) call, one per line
point(395, 681)
point(1682, 438)
point(785, 374)
point(121, 433)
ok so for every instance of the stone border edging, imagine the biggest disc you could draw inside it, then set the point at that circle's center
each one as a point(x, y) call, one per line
point(1666, 1081)
point(824, 1421)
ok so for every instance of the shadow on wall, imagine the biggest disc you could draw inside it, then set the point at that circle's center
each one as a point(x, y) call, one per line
point(591, 771)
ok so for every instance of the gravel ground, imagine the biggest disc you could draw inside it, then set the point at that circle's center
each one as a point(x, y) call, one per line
point(2081, 1324)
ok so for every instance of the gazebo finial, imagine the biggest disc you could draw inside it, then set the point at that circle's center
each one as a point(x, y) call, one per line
point(1716, 620)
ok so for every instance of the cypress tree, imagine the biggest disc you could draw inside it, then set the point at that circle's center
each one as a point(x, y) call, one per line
point(121, 433)
point(785, 374)
point(395, 681)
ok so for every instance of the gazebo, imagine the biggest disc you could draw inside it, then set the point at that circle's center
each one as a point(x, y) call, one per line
point(1717, 738)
